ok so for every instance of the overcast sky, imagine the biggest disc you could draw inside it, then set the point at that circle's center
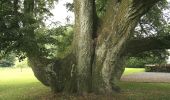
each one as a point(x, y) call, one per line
point(61, 13)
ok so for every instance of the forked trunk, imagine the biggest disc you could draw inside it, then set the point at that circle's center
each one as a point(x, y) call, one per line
point(95, 64)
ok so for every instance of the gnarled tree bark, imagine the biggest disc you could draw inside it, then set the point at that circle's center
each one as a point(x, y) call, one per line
point(96, 61)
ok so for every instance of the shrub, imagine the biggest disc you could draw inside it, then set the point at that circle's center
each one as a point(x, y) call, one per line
point(7, 61)
point(157, 68)
point(149, 57)
point(135, 63)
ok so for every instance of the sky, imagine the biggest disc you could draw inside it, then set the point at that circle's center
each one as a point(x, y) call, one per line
point(61, 13)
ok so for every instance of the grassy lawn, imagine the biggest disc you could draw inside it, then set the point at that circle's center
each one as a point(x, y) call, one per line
point(133, 70)
point(17, 85)
point(144, 91)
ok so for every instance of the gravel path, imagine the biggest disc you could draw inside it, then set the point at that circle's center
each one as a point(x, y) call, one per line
point(147, 77)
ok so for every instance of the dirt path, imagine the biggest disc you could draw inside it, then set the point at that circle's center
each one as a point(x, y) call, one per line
point(147, 77)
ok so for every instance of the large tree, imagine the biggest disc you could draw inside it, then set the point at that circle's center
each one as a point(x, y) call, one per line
point(100, 44)
point(101, 52)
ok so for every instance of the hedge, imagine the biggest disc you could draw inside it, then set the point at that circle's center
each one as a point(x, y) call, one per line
point(157, 68)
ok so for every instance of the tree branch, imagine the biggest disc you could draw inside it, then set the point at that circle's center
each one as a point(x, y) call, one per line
point(145, 2)
point(136, 46)
point(140, 7)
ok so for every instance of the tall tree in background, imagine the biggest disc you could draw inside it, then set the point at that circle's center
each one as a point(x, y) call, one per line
point(101, 42)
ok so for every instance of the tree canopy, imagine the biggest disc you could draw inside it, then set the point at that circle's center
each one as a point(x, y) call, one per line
point(18, 19)
point(14, 37)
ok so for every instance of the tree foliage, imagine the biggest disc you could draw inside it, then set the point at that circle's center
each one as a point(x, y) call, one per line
point(14, 36)
point(148, 57)
point(20, 23)
point(155, 22)
point(8, 60)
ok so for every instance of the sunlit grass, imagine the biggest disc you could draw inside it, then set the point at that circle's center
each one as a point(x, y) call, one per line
point(17, 85)
point(133, 70)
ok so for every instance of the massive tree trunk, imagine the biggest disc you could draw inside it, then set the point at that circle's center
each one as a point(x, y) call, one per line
point(83, 32)
point(98, 50)
point(120, 20)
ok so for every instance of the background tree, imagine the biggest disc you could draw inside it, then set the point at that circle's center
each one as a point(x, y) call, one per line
point(8, 60)
point(147, 57)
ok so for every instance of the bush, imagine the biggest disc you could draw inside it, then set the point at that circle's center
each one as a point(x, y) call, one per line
point(157, 68)
point(149, 57)
point(8, 61)
point(133, 62)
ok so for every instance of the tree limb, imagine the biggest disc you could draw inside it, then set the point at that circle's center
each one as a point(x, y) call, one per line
point(136, 46)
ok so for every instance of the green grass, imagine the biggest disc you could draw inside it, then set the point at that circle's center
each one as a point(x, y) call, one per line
point(133, 70)
point(17, 85)
point(144, 91)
